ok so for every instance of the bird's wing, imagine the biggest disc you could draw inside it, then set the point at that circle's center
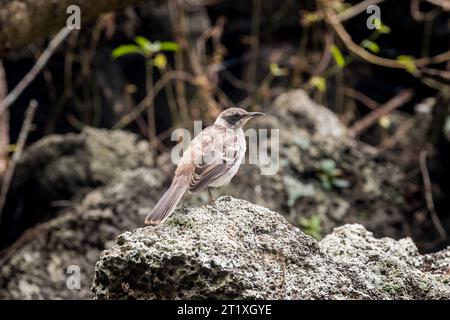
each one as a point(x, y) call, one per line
point(209, 143)
point(205, 175)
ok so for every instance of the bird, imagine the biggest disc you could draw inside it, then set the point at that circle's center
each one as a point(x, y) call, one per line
point(212, 159)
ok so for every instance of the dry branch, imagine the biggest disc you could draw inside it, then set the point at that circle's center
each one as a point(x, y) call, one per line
point(23, 135)
point(37, 67)
point(357, 9)
point(4, 125)
point(334, 21)
point(367, 121)
point(429, 195)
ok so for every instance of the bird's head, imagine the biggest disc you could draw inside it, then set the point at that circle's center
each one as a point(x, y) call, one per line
point(235, 117)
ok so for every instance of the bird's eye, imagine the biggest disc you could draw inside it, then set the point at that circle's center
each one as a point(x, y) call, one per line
point(236, 116)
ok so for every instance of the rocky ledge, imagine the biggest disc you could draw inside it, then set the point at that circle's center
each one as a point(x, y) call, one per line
point(241, 250)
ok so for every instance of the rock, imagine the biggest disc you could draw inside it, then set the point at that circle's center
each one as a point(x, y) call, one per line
point(36, 266)
point(395, 268)
point(61, 167)
point(241, 250)
point(128, 183)
point(298, 110)
point(67, 163)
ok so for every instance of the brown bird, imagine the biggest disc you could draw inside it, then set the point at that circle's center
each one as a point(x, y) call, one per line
point(211, 160)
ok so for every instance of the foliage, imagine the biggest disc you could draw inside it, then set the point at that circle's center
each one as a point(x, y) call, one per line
point(311, 226)
point(148, 49)
point(370, 45)
point(320, 83)
point(330, 176)
point(407, 62)
point(337, 55)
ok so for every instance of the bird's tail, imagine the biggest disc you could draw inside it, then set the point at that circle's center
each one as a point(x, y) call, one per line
point(168, 201)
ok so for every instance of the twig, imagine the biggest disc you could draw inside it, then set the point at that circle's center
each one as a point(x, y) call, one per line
point(179, 27)
point(414, 8)
point(23, 135)
point(255, 33)
point(367, 121)
point(333, 20)
point(37, 67)
point(429, 194)
point(361, 97)
point(444, 4)
point(357, 9)
point(159, 85)
point(238, 83)
point(326, 56)
point(4, 125)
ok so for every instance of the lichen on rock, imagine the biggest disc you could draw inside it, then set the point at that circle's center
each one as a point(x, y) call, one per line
point(36, 266)
point(241, 250)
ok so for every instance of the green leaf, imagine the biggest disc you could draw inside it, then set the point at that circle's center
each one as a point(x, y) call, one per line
point(169, 46)
point(370, 45)
point(320, 83)
point(382, 27)
point(126, 49)
point(407, 62)
point(340, 183)
point(337, 55)
point(157, 46)
point(311, 17)
point(160, 61)
point(277, 71)
point(328, 165)
point(11, 148)
point(147, 46)
point(311, 226)
point(143, 42)
point(326, 185)
point(384, 121)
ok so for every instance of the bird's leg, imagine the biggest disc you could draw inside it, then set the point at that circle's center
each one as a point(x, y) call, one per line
point(211, 200)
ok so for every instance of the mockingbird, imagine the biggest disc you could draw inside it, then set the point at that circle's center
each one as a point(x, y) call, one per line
point(211, 160)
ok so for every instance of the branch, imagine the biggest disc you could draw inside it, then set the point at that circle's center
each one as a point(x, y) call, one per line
point(367, 121)
point(444, 4)
point(361, 97)
point(4, 125)
point(23, 135)
point(429, 194)
point(357, 9)
point(37, 67)
point(158, 86)
point(333, 20)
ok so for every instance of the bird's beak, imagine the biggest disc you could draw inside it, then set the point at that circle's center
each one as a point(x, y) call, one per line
point(254, 114)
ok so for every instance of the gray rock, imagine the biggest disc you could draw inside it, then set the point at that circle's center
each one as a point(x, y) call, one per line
point(64, 164)
point(393, 268)
point(59, 168)
point(37, 265)
point(299, 110)
point(241, 250)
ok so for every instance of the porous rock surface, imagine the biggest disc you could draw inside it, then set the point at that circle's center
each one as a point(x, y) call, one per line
point(38, 264)
point(241, 250)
